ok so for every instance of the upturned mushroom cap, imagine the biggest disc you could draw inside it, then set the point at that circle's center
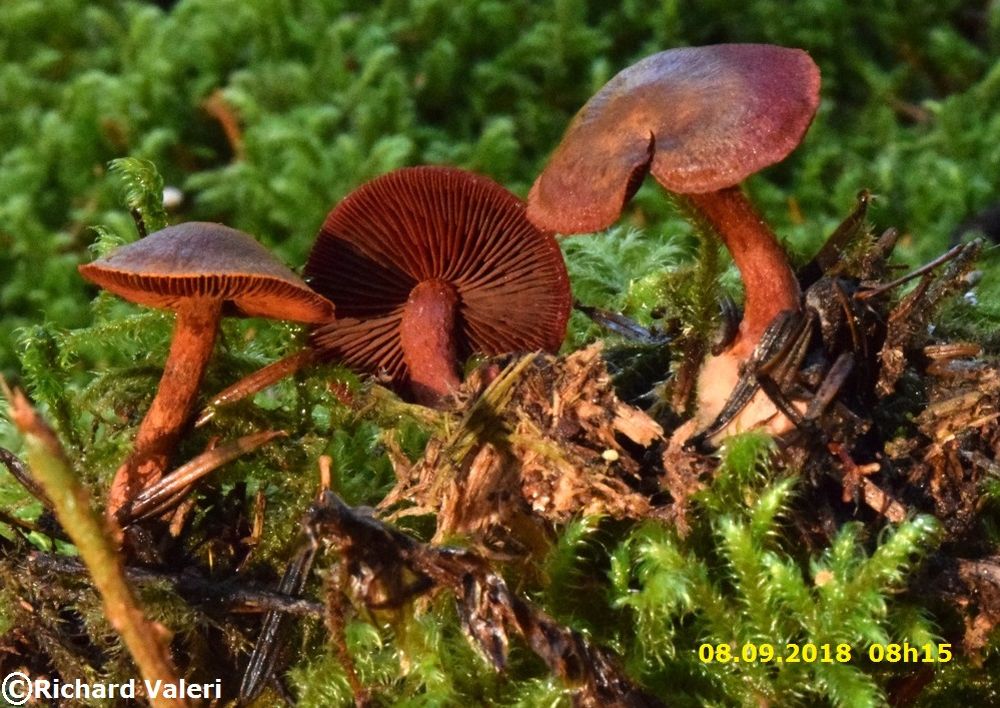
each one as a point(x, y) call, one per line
point(436, 223)
point(699, 118)
point(206, 260)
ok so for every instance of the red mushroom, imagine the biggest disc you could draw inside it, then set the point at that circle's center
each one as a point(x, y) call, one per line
point(428, 265)
point(701, 119)
point(197, 270)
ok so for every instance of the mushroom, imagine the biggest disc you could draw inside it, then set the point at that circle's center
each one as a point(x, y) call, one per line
point(701, 119)
point(428, 265)
point(198, 270)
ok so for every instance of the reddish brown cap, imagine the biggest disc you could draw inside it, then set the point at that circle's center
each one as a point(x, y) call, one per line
point(423, 223)
point(205, 260)
point(699, 118)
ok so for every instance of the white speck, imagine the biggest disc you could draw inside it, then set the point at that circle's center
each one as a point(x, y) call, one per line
point(172, 197)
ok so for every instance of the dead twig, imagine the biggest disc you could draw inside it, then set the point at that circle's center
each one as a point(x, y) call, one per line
point(256, 382)
point(19, 471)
point(856, 477)
point(869, 292)
point(147, 641)
point(619, 324)
point(387, 568)
point(170, 490)
point(232, 594)
point(217, 107)
point(266, 651)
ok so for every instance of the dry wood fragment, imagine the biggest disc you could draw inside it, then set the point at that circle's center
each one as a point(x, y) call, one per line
point(546, 440)
point(387, 568)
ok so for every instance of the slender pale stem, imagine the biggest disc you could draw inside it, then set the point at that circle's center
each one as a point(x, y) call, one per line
point(769, 284)
point(427, 335)
point(194, 337)
point(147, 642)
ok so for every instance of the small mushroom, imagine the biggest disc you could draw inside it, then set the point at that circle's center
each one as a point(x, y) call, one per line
point(428, 265)
point(198, 270)
point(701, 119)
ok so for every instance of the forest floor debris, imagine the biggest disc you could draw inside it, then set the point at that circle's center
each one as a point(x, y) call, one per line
point(888, 420)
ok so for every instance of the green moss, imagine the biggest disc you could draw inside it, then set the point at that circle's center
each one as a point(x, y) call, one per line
point(735, 583)
point(328, 93)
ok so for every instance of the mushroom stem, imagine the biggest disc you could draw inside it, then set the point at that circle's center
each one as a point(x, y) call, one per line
point(195, 328)
point(427, 337)
point(769, 284)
